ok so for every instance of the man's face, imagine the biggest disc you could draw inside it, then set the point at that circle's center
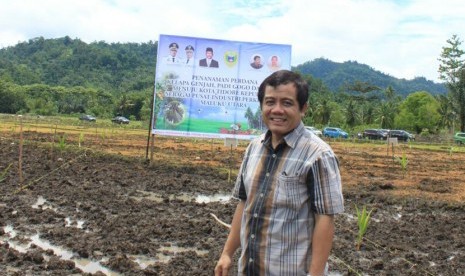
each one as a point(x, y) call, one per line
point(257, 61)
point(280, 110)
point(173, 52)
point(189, 54)
point(274, 61)
point(209, 54)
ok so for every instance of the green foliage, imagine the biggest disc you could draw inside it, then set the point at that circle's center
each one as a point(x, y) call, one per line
point(72, 62)
point(452, 70)
point(446, 112)
point(68, 76)
point(81, 138)
point(337, 75)
point(103, 136)
point(62, 142)
point(459, 97)
point(403, 162)
point(12, 99)
point(418, 111)
point(363, 220)
point(385, 115)
point(451, 60)
point(337, 117)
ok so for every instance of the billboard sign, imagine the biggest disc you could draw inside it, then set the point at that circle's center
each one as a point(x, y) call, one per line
point(208, 87)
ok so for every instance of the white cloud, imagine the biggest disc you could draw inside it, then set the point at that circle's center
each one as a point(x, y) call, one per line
point(402, 38)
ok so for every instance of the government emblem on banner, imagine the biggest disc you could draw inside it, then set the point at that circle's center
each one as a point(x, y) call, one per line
point(230, 58)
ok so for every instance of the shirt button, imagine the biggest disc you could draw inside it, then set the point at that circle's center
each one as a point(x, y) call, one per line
point(250, 260)
point(261, 195)
point(267, 174)
point(255, 215)
point(274, 155)
point(252, 236)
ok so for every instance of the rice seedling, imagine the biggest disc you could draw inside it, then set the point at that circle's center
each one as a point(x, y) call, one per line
point(62, 143)
point(403, 162)
point(81, 138)
point(363, 220)
point(103, 136)
point(4, 173)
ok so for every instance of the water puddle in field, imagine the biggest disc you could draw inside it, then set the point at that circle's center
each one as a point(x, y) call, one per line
point(23, 243)
point(184, 197)
point(164, 255)
point(86, 265)
point(70, 223)
point(43, 204)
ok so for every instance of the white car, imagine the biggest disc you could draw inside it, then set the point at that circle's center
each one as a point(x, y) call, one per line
point(315, 131)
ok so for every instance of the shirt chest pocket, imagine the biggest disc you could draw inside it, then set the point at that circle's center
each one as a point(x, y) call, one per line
point(290, 192)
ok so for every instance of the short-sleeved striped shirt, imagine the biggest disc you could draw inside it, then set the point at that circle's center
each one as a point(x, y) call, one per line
point(283, 189)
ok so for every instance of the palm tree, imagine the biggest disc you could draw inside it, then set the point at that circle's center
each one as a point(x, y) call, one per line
point(249, 116)
point(385, 114)
point(351, 114)
point(448, 115)
point(322, 112)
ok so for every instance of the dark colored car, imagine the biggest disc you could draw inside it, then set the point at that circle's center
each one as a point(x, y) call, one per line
point(401, 135)
point(385, 131)
point(334, 132)
point(459, 138)
point(375, 134)
point(120, 120)
point(88, 118)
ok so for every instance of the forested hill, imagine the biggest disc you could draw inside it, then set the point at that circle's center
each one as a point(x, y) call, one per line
point(70, 62)
point(126, 67)
point(336, 75)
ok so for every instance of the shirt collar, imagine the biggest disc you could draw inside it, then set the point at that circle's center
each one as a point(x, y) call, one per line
point(290, 139)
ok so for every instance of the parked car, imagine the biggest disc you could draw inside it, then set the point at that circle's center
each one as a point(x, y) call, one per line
point(120, 120)
point(88, 118)
point(334, 132)
point(459, 138)
point(401, 135)
point(375, 134)
point(315, 130)
point(386, 131)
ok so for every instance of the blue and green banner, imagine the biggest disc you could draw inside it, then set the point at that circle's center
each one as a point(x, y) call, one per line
point(208, 87)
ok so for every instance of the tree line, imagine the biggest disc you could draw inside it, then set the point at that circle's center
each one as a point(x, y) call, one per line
point(66, 76)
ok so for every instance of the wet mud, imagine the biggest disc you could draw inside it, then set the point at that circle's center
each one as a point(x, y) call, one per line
point(103, 204)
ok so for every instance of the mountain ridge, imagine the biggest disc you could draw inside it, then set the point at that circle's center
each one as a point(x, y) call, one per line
point(130, 67)
point(337, 75)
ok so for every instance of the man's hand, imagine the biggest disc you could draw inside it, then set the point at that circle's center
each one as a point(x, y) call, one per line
point(232, 243)
point(223, 265)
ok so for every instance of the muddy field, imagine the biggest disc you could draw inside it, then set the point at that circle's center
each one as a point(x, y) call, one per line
point(101, 209)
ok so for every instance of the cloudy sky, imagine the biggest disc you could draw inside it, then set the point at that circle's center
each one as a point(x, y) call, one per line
point(402, 38)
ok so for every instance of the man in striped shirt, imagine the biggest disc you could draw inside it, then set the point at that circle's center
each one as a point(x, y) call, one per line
point(288, 188)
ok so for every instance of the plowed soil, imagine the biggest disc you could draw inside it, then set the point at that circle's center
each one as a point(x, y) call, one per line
point(105, 203)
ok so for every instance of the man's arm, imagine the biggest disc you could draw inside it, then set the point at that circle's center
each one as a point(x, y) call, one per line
point(232, 243)
point(322, 242)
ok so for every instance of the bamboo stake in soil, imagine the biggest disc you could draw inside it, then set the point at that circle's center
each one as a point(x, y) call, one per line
point(20, 161)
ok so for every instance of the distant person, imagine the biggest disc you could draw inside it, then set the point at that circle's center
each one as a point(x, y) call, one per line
point(190, 55)
point(172, 57)
point(288, 190)
point(274, 64)
point(208, 61)
point(257, 62)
